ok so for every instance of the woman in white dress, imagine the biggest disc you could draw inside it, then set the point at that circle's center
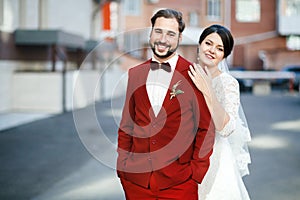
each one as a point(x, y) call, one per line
point(230, 158)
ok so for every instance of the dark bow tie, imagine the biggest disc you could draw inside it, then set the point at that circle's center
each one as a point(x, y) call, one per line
point(165, 66)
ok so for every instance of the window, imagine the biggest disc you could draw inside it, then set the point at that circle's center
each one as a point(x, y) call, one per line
point(288, 18)
point(293, 42)
point(292, 8)
point(248, 10)
point(213, 10)
point(193, 18)
point(132, 44)
point(132, 7)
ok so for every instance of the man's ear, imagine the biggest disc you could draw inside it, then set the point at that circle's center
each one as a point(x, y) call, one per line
point(180, 37)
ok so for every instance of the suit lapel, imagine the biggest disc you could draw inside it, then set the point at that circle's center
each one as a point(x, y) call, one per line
point(142, 90)
point(142, 78)
point(177, 76)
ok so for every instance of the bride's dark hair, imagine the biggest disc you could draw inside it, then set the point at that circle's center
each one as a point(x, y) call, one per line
point(225, 35)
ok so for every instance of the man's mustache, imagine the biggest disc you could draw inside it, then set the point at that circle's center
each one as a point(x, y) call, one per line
point(162, 44)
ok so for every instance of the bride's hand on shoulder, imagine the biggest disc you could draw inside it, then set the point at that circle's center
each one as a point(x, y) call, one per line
point(201, 78)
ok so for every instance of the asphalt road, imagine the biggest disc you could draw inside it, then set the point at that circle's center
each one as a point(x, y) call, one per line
point(71, 155)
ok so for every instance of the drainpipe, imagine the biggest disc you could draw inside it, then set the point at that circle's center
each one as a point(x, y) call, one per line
point(42, 14)
point(227, 23)
point(227, 13)
point(95, 11)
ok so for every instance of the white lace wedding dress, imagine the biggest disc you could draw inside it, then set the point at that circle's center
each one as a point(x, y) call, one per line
point(230, 158)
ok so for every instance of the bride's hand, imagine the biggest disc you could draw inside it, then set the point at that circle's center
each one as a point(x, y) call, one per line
point(201, 78)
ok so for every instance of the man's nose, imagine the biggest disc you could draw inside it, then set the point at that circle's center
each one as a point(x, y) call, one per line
point(163, 37)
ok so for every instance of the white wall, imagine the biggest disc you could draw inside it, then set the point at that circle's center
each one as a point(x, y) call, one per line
point(68, 15)
point(29, 12)
point(6, 72)
point(288, 18)
point(287, 25)
point(10, 15)
point(72, 16)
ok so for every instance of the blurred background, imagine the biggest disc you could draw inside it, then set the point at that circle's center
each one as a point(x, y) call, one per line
point(61, 59)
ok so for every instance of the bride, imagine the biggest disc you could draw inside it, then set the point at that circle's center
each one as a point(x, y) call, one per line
point(230, 158)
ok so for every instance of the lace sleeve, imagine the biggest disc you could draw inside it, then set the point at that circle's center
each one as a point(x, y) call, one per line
point(227, 92)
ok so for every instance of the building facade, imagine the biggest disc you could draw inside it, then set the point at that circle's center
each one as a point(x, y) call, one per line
point(58, 36)
point(259, 27)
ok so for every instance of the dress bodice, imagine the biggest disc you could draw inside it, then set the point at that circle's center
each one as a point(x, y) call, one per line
point(229, 161)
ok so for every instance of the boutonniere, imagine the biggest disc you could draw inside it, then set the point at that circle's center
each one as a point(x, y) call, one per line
point(175, 91)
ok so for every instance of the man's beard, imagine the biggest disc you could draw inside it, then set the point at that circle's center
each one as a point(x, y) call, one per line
point(169, 52)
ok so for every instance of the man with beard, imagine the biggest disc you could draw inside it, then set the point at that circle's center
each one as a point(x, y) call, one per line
point(165, 136)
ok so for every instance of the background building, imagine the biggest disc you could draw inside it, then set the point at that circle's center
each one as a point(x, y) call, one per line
point(260, 28)
point(52, 40)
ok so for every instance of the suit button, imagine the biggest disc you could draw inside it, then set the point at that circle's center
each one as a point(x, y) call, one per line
point(153, 142)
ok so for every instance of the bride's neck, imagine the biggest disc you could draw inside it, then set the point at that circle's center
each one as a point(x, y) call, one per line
point(214, 71)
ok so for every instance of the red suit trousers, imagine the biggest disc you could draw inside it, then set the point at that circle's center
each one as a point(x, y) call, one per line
point(185, 191)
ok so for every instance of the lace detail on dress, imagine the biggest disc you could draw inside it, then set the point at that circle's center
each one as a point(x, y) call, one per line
point(227, 93)
point(238, 142)
point(230, 158)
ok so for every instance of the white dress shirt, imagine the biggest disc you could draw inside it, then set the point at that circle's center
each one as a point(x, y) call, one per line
point(158, 82)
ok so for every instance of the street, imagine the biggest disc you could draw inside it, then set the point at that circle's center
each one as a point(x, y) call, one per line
point(72, 155)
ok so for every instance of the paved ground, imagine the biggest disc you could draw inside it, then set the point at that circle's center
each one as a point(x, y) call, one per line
point(70, 156)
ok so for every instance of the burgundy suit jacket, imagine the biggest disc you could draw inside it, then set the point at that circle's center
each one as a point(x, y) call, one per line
point(176, 144)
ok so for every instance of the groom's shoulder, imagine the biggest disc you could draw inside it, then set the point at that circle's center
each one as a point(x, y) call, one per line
point(183, 61)
point(140, 67)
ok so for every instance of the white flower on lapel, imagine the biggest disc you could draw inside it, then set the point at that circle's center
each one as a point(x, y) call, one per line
point(175, 91)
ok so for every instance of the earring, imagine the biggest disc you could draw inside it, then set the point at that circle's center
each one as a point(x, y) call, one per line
point(198, 57)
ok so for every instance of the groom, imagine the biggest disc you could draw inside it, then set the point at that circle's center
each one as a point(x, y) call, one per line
point(166, 135)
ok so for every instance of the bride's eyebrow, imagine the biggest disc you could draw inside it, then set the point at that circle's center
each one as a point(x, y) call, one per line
point(219, 45)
